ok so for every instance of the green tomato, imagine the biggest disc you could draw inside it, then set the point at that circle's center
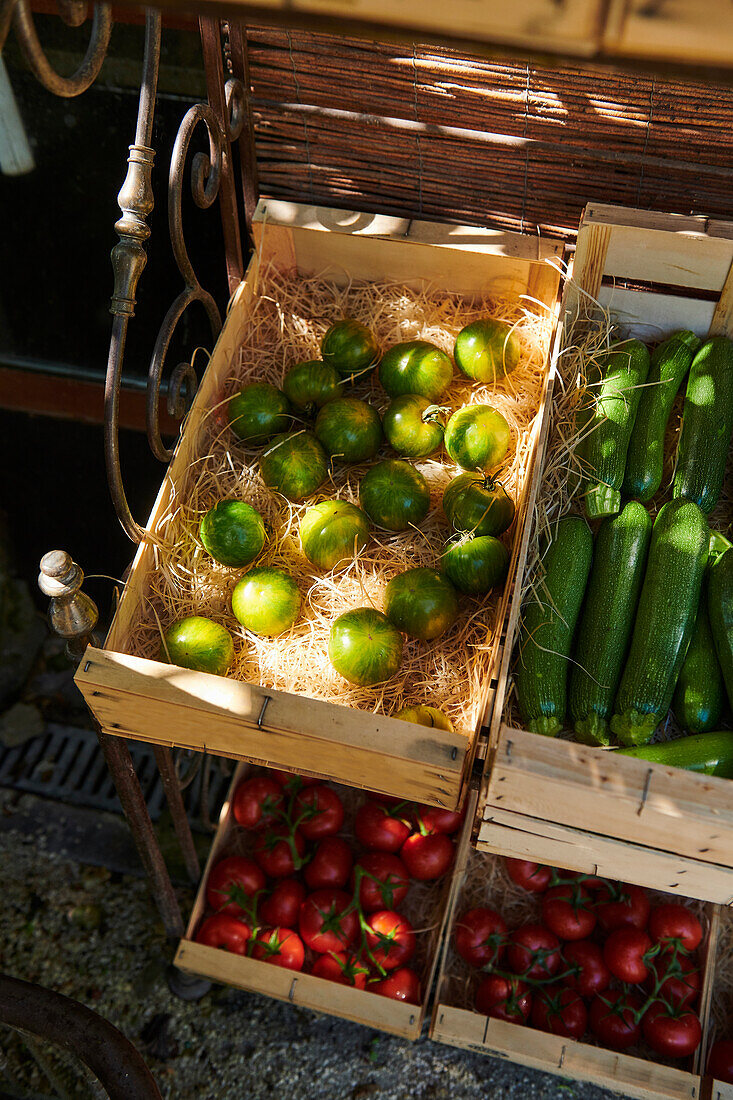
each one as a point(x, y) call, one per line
point(425, 716)
point(416, 366)
point(349, 429)
point(266, 601)
point(421, 602)
point(258, 412)
point(311, 385)
point(294, 465)
point(478, 504)
point(486, 350)
point(332, 532)
point(349, 347)
point(413, 426)
point(475, 564)
point(233, 533)
point(199, 644)
point(394, 495)
point(364, 647)
point(477, 437)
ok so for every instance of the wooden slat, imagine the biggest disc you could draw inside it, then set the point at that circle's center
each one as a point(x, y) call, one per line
point(652, 317)
point(514, 833)
point(565, 1057)
point(349, 245)
point(163, 704)
point(303, 990)
point(621, 797)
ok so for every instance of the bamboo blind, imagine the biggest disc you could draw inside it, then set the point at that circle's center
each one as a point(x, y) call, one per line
point(424, 132)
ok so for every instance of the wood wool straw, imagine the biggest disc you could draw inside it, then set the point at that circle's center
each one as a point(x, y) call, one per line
point(288, 318)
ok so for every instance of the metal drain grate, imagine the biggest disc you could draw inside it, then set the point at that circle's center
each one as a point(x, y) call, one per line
point(66, 763)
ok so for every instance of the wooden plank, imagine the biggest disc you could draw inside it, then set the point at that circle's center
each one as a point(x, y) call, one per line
point(625, 798)
point(164, 704)
point(516, 834)
point(651, 317)
point(706, 993)
point(562, 1057)
point(722, 322)
point(347, 244)
point(359, 1006)
point(588, 267)
point(675, 30)
point(693, 260)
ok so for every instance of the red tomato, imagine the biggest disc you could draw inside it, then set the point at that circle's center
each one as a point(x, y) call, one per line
point(390, 939)
point(292, 782)
point(480, 937)
point(327, 921)
point(225, 930)
point(612, 1019)
point(567, 911)
point(561, 1012)
point(279, 946)
point(400, 985)
point(591, 882)
point(533, 952)
point(380, 830)
point(282, 908)
point(318, 812)
point(534, 877)
point(427, 857)
point(622, 906)
point(232, 885)
point(679, 978)
point(673, 1032)
point(590, 973)
point(331, 864)
point(720, 1062)
point(277, 852)
point(431, 819)
point(383, 881)
point(670, 923)
point(623, 954)
point(344, 969)
point(504, 999)
point(257, 802)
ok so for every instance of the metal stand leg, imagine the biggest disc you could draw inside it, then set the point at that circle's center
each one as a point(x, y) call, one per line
point(178, 812)
point(122, 770)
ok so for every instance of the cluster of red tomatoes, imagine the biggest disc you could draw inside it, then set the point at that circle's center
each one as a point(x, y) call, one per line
point(309, 899)
point(601, 958)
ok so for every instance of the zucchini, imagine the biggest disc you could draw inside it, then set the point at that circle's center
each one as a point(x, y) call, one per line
point(718, 546)
point(645, 457)
point(603, 452)
point(699, 696)
point(707, 423)
point(668, 604)
point(548, 625)
point(709, 753)
point(720, 609)
point(619, 558)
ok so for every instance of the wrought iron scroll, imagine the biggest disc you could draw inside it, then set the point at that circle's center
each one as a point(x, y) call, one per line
point(211, 178)
point(73, 13)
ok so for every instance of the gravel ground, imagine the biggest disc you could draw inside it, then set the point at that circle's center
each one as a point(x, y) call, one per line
point(95, 935)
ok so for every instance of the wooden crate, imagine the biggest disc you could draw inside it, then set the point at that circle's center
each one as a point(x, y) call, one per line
point(160, 703)
point(629, 1073)
point(305, 990)
point(582, 807)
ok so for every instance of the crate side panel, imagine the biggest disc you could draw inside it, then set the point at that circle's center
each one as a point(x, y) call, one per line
point(299, 989)
point(516, 834)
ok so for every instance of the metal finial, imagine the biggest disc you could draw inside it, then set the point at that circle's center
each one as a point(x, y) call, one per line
point(71, 614)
